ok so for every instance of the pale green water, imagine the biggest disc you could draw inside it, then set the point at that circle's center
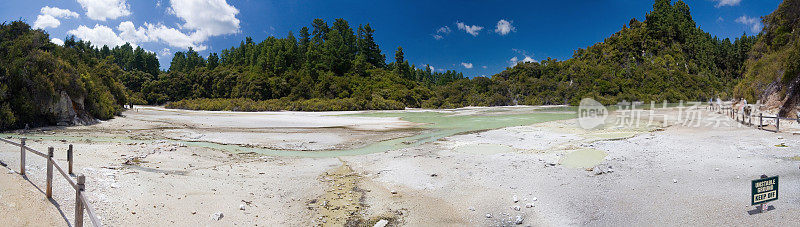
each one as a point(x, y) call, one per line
point(440, 125)
point(583, 158)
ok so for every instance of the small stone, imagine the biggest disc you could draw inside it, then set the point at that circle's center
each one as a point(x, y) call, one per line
point(534, 199)
point(217, 216)
point(471, 208)
point(519, 220)
point(674, 181)
point(393, 192)
point(488, 215)
point(515, 199)
point(242, 207)
point(516, 208)
point(381, 223)
point(716, 169)
point(529, 205)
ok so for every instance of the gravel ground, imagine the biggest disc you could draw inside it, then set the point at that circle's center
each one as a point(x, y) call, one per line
point(678, 175)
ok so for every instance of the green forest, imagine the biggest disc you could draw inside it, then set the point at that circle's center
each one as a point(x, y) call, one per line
point(341, 67)
point(35, 74)
point(664, 57)
point(773, 65)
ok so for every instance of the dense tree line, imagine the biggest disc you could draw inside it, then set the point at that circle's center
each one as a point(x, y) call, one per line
point(325, 64)
point(41, 83)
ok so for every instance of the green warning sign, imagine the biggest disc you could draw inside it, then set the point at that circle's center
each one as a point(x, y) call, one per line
point(764, 190)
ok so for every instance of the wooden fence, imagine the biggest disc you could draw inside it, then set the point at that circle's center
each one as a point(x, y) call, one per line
point(81, 203)
point(746, 119)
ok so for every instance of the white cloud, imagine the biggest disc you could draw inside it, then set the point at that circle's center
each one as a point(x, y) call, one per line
point(431, 67)
point(99, 35)
point(58, 12)
point(504, 27)
point(483, 66)
point(444, 30)
point(128, 32)
point(466, 65)
point(471, 29)
point(57, 41)
point(528, 59)
point(173, 37)
point(754, 23)
point(441, 32)
point(49, 17)
point(46, 21)
point(164, 52)
point(206, 17)
point(105, 9)
point(158, 33)
point(721, 3)
point(514, 60)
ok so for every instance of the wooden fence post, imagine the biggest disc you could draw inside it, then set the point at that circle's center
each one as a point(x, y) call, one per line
point(760, 120)
point(777, 123)
point(69, 159)
point(78, 203)
point(49, 191)
point(22, 156)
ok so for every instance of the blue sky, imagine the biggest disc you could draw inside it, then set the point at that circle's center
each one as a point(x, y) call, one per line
point(510, 30)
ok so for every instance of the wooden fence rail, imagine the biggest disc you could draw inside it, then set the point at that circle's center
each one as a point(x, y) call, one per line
point(81, 203)
point(748, 119)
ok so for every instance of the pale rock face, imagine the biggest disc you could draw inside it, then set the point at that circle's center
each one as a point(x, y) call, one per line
point(69, 111)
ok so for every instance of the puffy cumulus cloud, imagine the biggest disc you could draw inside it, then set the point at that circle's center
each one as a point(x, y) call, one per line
point(206, 17)
point(129, 32)
point(466, 65)
point(470, 29)
point(173, 37)
point(49, 17)
point(46, 21)
point(752, 22)
point(57, 41)
point(105, 9)
point(58, 12)
point(504, 27)
point(437, 36)
point(158, 33)
point(721, 3)
point(99, 35)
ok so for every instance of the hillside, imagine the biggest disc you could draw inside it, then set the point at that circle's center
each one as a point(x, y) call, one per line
point(664, 57)
point(42, 83)
point(771, 72)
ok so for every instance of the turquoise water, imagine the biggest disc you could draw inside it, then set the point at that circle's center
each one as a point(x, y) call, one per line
point(437, 124)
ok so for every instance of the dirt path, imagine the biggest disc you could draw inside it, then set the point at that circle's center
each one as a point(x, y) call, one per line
point(23, 204)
